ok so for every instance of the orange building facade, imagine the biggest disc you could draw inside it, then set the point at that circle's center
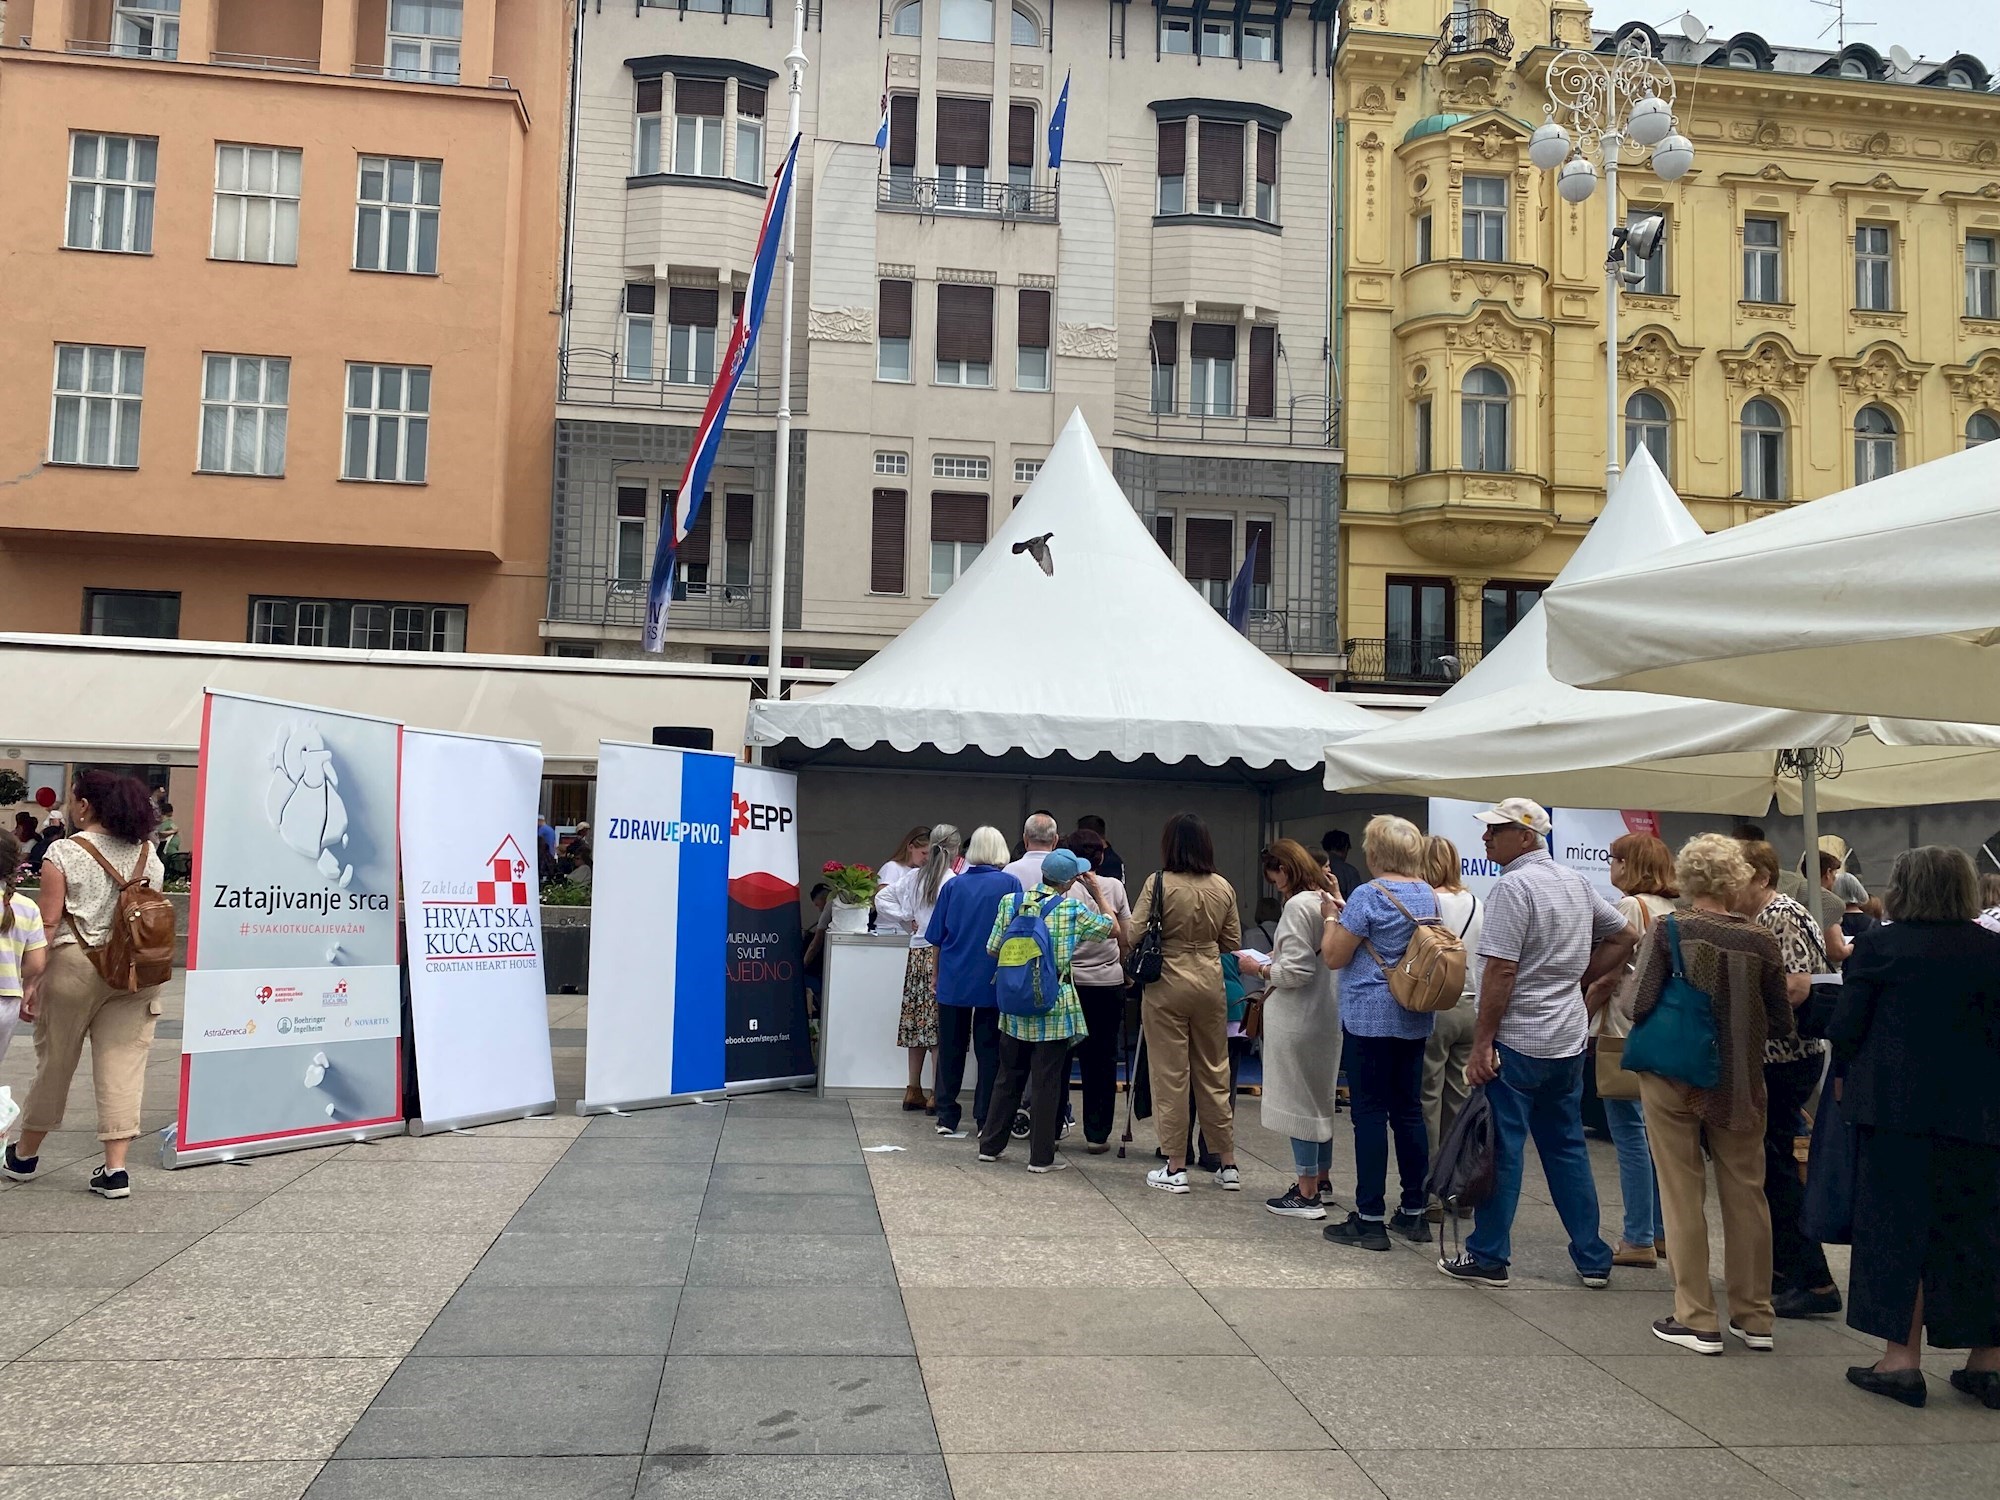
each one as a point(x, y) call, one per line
point(281, 318)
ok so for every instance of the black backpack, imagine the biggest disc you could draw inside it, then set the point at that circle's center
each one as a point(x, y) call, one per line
point(1462, 1172)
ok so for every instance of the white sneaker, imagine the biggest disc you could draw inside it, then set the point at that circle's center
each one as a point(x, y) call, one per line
point(1167, 1180)
point(1758, 1341)
point(1058, 1165)
point(1229, 1180)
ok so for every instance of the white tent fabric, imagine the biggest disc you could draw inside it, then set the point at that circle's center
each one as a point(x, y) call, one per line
point(1880, 600)
point(1510, 728)
point(1115, 654)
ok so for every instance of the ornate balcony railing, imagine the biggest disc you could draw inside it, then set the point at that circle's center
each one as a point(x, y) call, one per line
point(897, 193)
point(1434, 661)
point(622, 601)
point(1475, 31)
point(1301, 422)
point(597, 377)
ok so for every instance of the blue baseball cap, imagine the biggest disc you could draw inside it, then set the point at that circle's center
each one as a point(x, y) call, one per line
point(1061, 867)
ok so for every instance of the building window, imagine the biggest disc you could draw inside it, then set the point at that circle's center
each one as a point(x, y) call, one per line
point(1031, 359)
point(1263, 395)
point(749, 133)
point(1173, 136)
point(1027, 470)
point(965, 335)
point(1646, 423)
point(423, 39)
point(946, 466)
point(1423, 239)
point(360, 624)
point(1164, 342)
point(245, 400)
point(1421, 450)
point(1873, 287)
point(1763, 451)
point(1503, 606)
point(1418, 629)
point(1483, 432)
point(1260, 43)
point(964, 146)
point(902, 148)
point(1026, 30)
point(1258, 537)
point(111, 192)
point(1875, 444)
point(1652, 273)
point(692, 556)
point(965, 20)
point(648, 103)
point(1982, 277)
point(147, 28)
point(891, 463)
point(888, 542)
point(691, 317)
point(149, 614)
point(1742, 57)
point(396, 220)
point(739, 532)
point(1267, 175)
point(1483, 219)
point(1177, 36)
point(1210, 561)
point(1212, 347)
point(958, 535)
point(257, 204)
point(1163, 532)
point(1021, 157)
point(698, 127)
point(909, 20)
point(1218, 38)
point(1763, 265)
point(97, 395)
point(388, 423)
point(630, 559)
point(1981, 427)
point(637, 343)
point(892, 330)
point(1221, 168)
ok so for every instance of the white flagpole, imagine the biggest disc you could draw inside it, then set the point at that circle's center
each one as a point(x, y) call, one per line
point(781, 506)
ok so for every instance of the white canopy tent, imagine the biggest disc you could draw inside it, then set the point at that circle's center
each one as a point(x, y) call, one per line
point(1881, 599)
point(1114, 654)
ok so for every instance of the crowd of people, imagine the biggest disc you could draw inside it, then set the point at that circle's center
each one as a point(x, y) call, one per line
point(1710, 1009)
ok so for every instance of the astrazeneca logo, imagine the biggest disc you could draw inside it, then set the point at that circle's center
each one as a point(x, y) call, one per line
point(663, 831)
point(758, 817)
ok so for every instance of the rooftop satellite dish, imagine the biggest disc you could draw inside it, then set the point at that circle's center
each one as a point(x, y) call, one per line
point(1692, 27)
point(1900, 59)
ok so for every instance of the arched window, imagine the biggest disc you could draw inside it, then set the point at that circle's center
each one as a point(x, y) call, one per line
point(909, 19)
point(965, 20)
point(1874, 444)
point(1483, 421)
point(1027, 31)
point(1983, 428)
point(1646, 422)
point(1853, 67)
point(1959, 78)
point(1763, 451)
point(1742, 57)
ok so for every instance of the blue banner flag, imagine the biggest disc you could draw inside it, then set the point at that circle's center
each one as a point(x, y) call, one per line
point(708, 436)
point(1057, 121)
point(1239, 591)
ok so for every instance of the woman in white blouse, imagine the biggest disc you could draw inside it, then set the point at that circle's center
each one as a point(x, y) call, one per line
point(1301, 1027)
point(906, 906)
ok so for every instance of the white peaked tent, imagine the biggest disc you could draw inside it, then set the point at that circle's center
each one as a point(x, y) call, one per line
point(1510, 728)
point(1882, 599)
point(1116, 654)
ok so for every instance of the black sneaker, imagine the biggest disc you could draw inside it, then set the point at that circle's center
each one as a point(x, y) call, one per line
point(1292, 1206)
point(1413, 1227)
point(20, 1168)
point(1362, 1234)
point(1802, 1302)
point(109, 1184)
point(1668, 1331)
point(1326, 1199)
point(1468, 1267)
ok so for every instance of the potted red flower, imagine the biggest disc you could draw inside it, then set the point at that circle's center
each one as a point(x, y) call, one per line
point(854, 888)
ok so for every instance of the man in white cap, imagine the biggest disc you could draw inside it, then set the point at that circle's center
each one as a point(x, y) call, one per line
point(1547, 936)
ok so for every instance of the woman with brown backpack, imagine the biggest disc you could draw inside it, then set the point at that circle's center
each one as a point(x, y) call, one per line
point(99, 899)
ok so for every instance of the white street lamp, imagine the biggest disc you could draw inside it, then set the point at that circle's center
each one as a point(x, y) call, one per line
point(1607, 107)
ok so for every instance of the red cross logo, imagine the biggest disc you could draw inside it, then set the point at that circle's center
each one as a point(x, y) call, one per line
point(741, 820)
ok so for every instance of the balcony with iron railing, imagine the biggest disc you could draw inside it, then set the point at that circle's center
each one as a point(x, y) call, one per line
point(596, 377)
point(1475, 31)
point(901, 193)
point(1311, 421)
point(610, 603)
point(1411, 660)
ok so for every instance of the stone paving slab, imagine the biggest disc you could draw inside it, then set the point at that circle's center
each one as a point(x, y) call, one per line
point(586, 1258)
point(1096, 1476)
point(819, 1477)
point(248, 1480)
point(814, 1404)
point(1593, 1473)
point(819, 1320)
point(551, 1320)
point(477, 1479)
point(500, 1406)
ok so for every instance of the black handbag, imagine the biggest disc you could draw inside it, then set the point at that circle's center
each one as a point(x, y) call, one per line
point(1148, 958)
point(1827, 1214)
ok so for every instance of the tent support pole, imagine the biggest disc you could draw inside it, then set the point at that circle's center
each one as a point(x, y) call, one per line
point(1809, 818)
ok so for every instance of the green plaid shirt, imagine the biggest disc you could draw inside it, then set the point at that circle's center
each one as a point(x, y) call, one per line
point(1070, 922)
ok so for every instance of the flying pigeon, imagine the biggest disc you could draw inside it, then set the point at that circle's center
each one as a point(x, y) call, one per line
point(1037, 547)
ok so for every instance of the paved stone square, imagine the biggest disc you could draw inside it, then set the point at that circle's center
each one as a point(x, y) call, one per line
point(744, 1300)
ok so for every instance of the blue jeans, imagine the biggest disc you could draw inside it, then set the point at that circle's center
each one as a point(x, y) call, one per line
point(1385, 1090)
point(1312, 1158)
point(1542, 1097)
point(1636, 1183)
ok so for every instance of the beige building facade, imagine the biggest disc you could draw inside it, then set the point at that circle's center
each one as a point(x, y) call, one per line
point(955, 300)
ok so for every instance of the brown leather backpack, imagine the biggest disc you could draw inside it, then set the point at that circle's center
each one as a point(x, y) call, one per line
point(139, 953)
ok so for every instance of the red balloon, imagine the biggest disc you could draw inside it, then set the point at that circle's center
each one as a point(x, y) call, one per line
point(45, 796)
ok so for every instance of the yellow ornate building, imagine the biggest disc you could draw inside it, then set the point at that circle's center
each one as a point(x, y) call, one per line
point(1824, 309)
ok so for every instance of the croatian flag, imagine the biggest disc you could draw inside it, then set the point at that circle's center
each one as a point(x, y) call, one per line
point(708, 436)
point(882, 130)
point(1058, 120)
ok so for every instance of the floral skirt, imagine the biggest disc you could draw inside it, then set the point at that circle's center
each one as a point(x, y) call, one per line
point(918, 1025)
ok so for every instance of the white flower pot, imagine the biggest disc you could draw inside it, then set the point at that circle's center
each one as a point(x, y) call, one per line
point(848, 918)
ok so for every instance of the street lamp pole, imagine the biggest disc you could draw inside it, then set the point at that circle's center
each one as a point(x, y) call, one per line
point(1599, 108)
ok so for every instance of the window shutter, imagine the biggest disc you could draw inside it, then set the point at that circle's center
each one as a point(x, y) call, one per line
point(639, 297)
point(1221, 161)
point(903, 130)
point(695, 547)
point(964, 132)
point(1267, 155)
point(892, 309)
point(750, 101)
point(1173, 148)
point(649, 94)
point(1260, 532)
point(739, 521)
point(735, 305)
point(1263, 371)
point(691, 306)
point(1034, 318)
point(1163, 533)
point(888, 542)
point(965, 323)
point(632, 502)
point(1021, 135)
point(1210, 543)
point(697, 96)
point(1212, 341)
point(1166, 341)
point(957, 517)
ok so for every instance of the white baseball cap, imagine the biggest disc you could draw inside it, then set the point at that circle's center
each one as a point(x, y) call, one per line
point(1519, 812)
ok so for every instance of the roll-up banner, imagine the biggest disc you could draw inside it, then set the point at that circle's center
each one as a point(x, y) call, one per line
point(658, 927)
point(472, 900)
point(1579, 837)
point(293, 1027)
point(768, 1043)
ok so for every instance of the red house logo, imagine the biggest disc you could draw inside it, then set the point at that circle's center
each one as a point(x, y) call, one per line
point(508, 885)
